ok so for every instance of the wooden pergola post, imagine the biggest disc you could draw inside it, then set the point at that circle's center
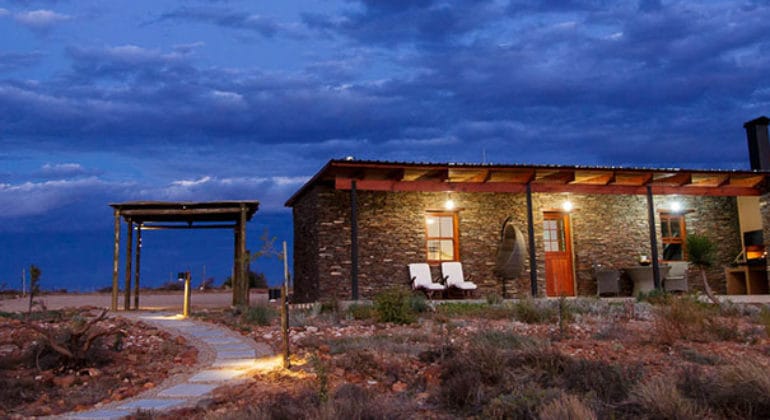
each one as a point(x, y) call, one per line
point(115, 263)
point(138, 261)
point(129, 248)
point(244, 263)
point(236, 279)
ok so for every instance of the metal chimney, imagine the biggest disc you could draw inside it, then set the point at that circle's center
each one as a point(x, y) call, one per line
point(759, 146)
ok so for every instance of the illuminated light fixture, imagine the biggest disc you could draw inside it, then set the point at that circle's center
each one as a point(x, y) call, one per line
point(566, 206)
point(676, 206)
point(449, 204)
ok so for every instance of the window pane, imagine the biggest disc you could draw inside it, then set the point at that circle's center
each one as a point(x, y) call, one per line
point(672, 252)
point(433, 226)
point(547, 235)
point(447, 250)
point(664, 232)
point(675, 229)
point(434, 250)
point(446, 227)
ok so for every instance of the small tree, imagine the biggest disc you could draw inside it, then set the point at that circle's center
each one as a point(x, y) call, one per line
point(700, 252)
point(34, 284)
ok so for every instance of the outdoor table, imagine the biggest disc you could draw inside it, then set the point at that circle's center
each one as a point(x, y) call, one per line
point(643, 279)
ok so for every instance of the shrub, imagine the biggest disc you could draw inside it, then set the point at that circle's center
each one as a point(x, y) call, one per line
point(685, 318)
point(609, 382)
point(260, 314)
point(660, 398)
point(494, 298)
point(526, 310)
point(475, 310)
point(734, 391)
point(361, 311)
point(418, 303)
point(566, 407)
point(331, 306)
point(655, 297)
point(524, 403)
point(393, 305)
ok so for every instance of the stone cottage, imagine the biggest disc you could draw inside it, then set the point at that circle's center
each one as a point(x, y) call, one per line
point(357, 224)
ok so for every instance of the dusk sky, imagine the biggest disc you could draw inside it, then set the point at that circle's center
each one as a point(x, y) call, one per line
point(111, 101)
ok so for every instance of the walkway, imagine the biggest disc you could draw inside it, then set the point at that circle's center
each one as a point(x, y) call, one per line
point(227, 358)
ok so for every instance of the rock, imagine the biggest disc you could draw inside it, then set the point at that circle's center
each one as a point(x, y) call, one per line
point(399, 387)
point(64, 381)
point(311, 329)
point(181, 341)
point(148, 385)
point(324, 348)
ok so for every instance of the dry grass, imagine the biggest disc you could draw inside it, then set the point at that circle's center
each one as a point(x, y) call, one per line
point(566, 407)
point(660, 398)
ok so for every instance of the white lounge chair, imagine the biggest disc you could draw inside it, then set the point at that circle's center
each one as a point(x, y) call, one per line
point(676, 279)
point(453, 274)
point(419, 273)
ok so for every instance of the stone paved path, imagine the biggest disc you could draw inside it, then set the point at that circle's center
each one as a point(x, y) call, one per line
point(234, 356)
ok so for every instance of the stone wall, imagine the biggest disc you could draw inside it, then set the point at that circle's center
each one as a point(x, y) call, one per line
point(607, 229)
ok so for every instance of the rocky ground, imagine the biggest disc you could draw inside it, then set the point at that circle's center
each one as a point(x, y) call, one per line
point(500, 361)
point(674, 358)
point(129, 357)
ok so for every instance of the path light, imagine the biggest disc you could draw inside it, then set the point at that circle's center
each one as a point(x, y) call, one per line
point(567, 206)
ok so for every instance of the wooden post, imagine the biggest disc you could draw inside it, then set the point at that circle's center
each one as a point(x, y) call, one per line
point(138, 262)
point(244, 260)
point(285, 309)
point(187, 295)
point(531, 234)
point(235, 283)
point(353, 241)
point(653, 238)
point(115, 264)
point(129, 248)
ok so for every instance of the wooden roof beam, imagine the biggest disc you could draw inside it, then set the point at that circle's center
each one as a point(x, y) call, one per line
point(557, 177)
point(676, 180)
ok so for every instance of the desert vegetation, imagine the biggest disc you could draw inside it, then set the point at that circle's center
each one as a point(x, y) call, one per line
point(404, 357)
point(54, 361)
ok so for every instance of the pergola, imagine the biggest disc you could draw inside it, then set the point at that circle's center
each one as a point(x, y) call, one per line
point(161, 215)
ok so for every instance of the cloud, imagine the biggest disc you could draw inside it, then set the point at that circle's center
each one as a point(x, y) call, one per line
point(34, 198)
point(40, 19)
point(18, 61)
point(227, 18)
point(64, 171)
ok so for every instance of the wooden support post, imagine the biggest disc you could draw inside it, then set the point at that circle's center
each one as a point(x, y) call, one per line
point(129, 248)
point(285, 310)
point(244, 263)
point(653, 239)
point(137, 270)
point(115, 263)
point(236, 278)
point(353, 241)
point(531, 235)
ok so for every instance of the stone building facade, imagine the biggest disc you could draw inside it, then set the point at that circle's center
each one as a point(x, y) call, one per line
point(608, 229)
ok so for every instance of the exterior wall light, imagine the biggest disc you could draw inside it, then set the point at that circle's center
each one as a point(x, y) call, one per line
point(566, 206)
point(449, 204)
point(676, 206)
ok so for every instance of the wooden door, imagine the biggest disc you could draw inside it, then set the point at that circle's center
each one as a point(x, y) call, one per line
point(558, 254)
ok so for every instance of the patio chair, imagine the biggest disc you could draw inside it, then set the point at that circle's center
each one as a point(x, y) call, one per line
point(676, 279)
point(607, 281)
point(419, 273)
point(453, 274)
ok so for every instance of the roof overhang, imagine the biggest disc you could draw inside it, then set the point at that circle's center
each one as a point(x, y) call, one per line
point(442, 177)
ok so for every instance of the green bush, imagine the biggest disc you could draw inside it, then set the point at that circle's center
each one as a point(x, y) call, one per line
point(259, 314)
point(475, 310)
point(494, 298)
point(418, 303)
point(361, 311)
point(527, 311)
point(394, 305)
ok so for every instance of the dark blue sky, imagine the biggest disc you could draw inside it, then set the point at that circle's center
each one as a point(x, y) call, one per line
point(207, 100)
